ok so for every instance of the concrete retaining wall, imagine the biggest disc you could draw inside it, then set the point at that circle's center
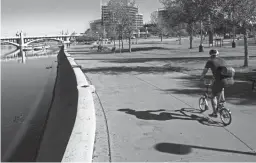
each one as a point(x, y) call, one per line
point(70, 131)
point(81, 142)
point(61, 125)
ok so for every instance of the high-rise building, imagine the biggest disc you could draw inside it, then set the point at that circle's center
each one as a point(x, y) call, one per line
point(162, 15)
point(139, 21)
point(96, 25)
point(131, 9)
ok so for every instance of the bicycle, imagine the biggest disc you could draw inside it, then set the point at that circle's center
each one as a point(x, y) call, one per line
point(225, 114)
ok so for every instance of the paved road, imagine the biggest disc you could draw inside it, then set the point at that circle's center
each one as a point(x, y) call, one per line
point(153, 116)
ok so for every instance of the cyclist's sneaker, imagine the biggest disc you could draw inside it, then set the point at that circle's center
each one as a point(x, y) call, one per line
point(213, 115)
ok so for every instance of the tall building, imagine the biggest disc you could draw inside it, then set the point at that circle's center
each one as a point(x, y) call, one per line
point(131, 9)
point(162, 16)
point(139, 21)
point(96, 25)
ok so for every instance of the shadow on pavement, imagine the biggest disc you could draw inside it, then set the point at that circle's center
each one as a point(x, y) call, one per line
point(108, 50)
point(169, 58)
point(157, 42)
point(137, 69)
point(183, 149)
point(144, 49)
point(239, 94)
point(162, 115)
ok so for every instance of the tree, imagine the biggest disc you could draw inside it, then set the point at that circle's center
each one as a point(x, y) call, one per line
point(111, 32)
point(242, 13)
point(159, 24)
point(189, 12)
point(122, 18)
point(254, 32)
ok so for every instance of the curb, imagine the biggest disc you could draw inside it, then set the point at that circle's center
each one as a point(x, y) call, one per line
point(81, 142)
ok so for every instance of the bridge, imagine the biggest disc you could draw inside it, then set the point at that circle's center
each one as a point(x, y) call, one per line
point(25, 41)
point(21, 42)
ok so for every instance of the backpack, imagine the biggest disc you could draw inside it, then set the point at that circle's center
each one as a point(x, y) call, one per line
point(227, 75)
point(227, 72)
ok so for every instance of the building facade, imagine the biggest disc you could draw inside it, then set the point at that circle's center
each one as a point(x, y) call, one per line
point(139, 21)
point(96, 25)
point(131, 9)
point(162, 16)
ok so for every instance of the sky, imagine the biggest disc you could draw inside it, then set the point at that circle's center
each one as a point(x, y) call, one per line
point(50, 17)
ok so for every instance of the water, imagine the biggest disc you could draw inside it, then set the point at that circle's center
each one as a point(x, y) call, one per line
point(6, 49)
point(22, 86)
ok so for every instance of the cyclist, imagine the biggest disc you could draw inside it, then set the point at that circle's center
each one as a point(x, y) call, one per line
point(217, 64)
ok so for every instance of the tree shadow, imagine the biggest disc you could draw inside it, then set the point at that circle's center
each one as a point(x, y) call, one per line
point(182, 114)
point(183, 149)
point(239, 94)
point(168, 59)
point(136, 69)
point(157, 42)
point(109, 51)
point(136, 49)
point(78, 51)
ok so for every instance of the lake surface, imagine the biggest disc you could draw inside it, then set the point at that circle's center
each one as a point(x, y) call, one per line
point(23, 86)
point(6, 49)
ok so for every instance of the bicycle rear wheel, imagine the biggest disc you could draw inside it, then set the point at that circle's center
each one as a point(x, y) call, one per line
point(202, 103)
point(225, 116)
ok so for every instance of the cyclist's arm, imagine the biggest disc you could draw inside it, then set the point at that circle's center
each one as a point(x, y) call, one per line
point(206, 68)
point(204, 73)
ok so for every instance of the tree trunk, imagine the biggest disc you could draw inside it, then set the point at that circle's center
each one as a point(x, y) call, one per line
point(201, 33)
point(114, 42)
point(255, 37)
point(234, 33)
point(246, 56)
point(130, 48)
point(122, 42)
point(254, 32)
point(190, 41)
point(161, 37)
point(179, 39)
point(191, 36)
point(119, 44)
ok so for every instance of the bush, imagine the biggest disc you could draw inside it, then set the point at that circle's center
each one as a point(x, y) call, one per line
point(86, 39)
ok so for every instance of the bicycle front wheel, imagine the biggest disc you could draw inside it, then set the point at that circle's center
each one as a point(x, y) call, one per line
point(202, 103)
point(225, 116)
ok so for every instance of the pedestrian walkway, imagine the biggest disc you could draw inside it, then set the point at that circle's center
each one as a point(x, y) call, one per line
point(153, 116)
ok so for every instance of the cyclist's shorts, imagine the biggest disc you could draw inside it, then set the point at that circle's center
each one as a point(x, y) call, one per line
point(219, 85)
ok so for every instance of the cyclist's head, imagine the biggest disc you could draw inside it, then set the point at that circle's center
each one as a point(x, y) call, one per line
point(213, 53)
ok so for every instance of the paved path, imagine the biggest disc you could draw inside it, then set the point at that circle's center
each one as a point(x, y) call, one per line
point(153, 116)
